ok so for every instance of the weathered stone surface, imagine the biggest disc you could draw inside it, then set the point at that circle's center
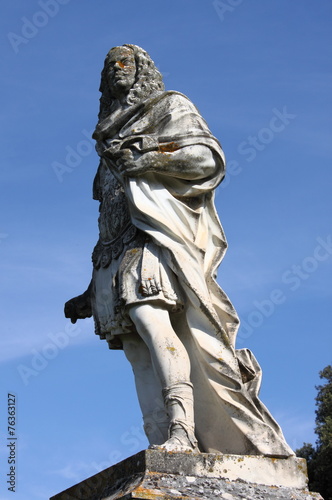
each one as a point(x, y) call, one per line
point(153, 474)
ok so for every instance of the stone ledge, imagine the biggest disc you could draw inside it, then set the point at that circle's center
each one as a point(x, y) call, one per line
point(154, 474)
point(289, 472)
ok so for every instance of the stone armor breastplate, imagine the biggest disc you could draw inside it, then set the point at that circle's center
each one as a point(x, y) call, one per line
point(115, 227)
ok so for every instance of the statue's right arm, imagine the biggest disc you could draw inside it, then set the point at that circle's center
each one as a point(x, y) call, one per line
point(79, 307)
point(189, 162)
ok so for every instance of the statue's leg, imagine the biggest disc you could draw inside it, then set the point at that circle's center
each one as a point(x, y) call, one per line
point(171, 367)
point(169, 356)
point(148, 387)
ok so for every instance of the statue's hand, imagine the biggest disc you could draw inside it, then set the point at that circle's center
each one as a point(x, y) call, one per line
point(132, 167)
point(79, 307)
point(124, 159)
point(132, 164)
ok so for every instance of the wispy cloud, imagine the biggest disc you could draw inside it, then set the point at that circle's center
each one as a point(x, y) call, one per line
point(74, 470)
point(27, 341)
point(297, 428)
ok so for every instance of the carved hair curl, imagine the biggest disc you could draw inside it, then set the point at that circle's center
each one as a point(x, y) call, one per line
point(148, 80)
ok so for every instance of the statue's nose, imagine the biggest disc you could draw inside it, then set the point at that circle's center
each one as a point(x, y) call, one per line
point(119, 64)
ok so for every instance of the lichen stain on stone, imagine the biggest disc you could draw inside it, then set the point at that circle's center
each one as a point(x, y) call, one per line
point(302, 468)
point(147, 493)
point(170, 147)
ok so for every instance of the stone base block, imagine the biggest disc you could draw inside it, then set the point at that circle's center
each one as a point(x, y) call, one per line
point(156, 474)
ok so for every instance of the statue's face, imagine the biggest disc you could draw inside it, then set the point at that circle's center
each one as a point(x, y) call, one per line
point(121, 70)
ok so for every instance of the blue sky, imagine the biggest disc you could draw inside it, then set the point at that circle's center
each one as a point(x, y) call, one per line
point(260, 73)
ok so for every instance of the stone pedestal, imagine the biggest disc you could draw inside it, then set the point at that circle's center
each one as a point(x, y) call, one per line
point(154, 474)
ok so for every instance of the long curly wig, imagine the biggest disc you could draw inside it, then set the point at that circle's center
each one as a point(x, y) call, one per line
point(148, 80)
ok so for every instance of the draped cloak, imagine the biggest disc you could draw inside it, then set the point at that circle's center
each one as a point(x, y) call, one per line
point(177, 213)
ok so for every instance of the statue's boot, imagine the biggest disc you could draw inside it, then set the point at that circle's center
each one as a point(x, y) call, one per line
point(179, 404)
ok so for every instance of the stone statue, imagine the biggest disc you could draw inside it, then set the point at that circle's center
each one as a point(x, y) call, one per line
point(153, 291)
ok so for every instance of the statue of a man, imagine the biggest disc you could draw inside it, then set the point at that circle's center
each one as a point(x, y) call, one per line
point(153, 291)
